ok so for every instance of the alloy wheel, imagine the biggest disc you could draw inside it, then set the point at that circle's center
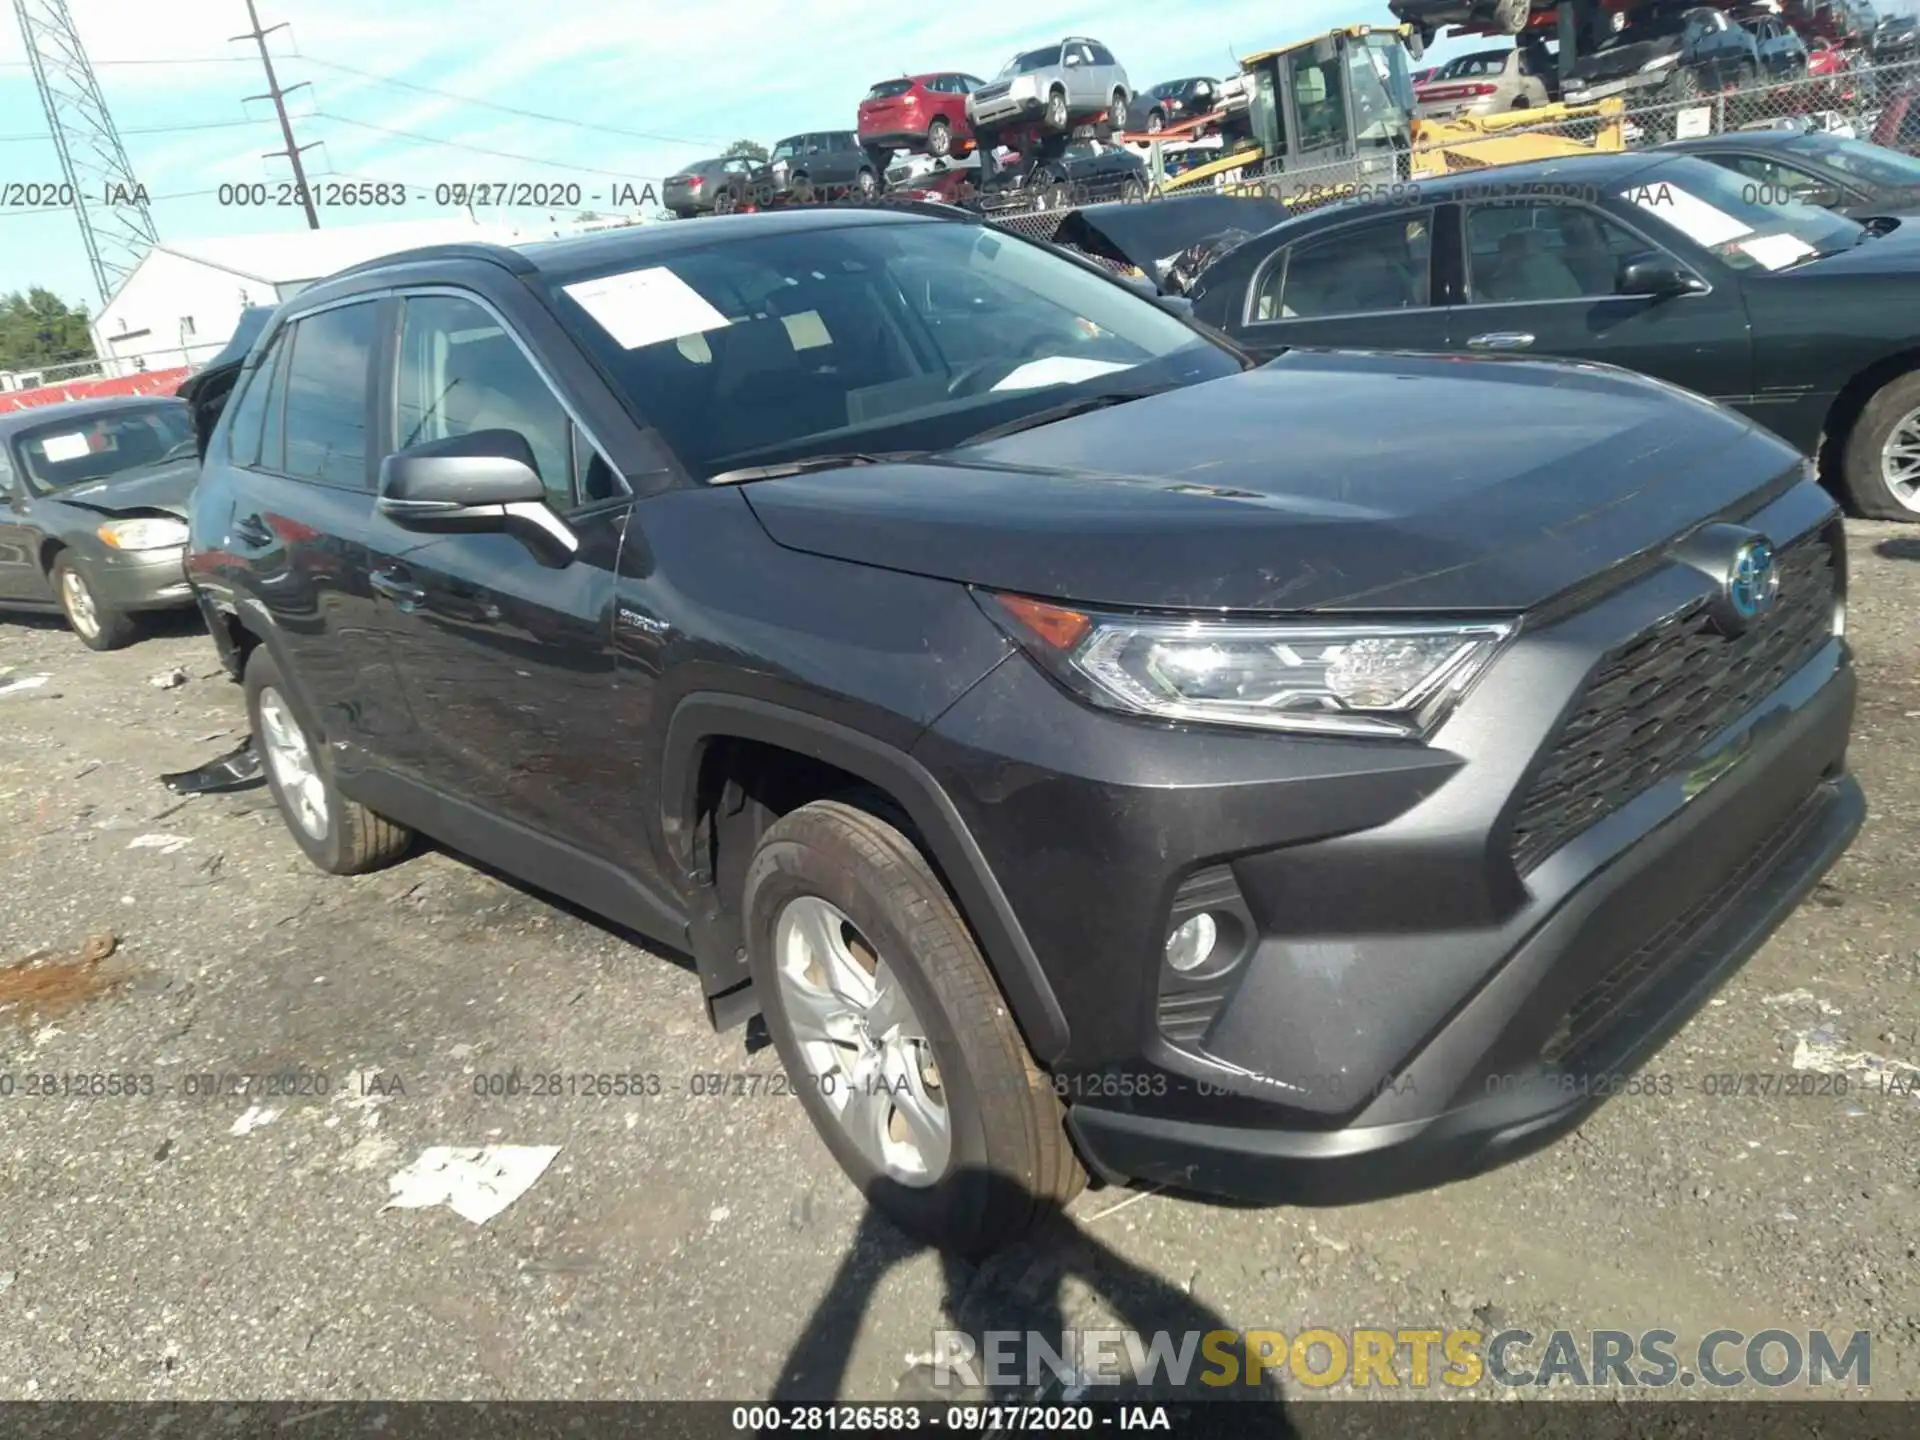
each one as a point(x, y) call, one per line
point(1900, 461)
point(291, 760)
point(77, 600)
point(864, 1045)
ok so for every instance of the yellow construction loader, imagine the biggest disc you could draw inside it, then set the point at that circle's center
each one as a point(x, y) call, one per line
point(1336, 114)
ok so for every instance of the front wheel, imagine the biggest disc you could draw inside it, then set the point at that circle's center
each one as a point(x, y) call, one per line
point(337, 834)
point(1056, 111)
point(1881, 468)
point(895, 1034)
point(98, 624)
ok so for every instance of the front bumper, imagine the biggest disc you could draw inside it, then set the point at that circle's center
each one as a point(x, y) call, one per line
point(1006, 109)
point(141, 579)
point(1412, 1004)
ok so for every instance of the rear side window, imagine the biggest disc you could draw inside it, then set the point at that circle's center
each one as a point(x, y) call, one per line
point(250, 408)
point(1369, 268)
point(326, 396)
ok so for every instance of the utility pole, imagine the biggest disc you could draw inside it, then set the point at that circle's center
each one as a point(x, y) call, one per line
point(279, 98)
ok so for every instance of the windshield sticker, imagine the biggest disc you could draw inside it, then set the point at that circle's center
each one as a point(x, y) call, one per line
point(806, 330)
point(58, 448)
point(1776, 252)
point(1688, 213)
point(646, 307)
point(1057, 370)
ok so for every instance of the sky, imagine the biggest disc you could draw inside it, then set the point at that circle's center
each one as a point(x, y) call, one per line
point(440, 92)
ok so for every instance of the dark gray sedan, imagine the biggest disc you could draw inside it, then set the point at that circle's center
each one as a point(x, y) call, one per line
point(95, 522)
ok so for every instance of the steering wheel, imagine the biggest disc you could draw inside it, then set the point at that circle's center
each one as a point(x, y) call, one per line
point(971, 379)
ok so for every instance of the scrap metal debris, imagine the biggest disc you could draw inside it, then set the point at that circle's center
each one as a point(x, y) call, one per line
point(44, 986)
point(238, 769)
point(1825, 1052)
point(24, 683)
point(476, 1183)
point(162, 843)
point(170, 679)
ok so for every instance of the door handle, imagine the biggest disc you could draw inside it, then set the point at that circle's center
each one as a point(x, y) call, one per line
point(1502, 340)
point(252, 530)
point(404, 594)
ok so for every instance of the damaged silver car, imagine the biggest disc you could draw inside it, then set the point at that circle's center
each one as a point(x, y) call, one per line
point(95, 521)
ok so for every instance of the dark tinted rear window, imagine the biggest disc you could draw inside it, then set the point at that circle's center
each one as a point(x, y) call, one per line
point(887, 89)
point(326, 405)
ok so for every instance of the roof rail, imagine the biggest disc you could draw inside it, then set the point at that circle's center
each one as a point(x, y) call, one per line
point(500, 255)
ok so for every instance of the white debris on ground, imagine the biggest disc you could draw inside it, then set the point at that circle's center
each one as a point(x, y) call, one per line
point(24, 683)
point(163, 844)
point(254, 1117)
point(475, 1182)
point(1825, 1052)
point(169, 679)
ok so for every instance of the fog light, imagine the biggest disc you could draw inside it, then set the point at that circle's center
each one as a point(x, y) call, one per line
point(1191, 942)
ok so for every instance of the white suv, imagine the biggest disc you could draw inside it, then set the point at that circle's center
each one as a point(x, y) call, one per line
point(1062, 85)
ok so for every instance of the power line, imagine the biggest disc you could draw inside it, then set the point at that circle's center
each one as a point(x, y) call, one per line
point(279, 98)
point(474, 149)
point(182, 60)
point(698, 142)
point(151, 129)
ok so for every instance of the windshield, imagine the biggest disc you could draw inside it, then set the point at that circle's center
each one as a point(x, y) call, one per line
point(1872, 163)
point(1487, 62)
point(786, 149)
point(1382, 83)
point(1031, 61)
point(1716, 210)
point(775, 347)
point(65, 453)
point(888, 89)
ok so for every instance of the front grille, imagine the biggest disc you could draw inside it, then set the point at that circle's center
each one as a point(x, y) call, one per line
point(991, 92)
point(1656, 700)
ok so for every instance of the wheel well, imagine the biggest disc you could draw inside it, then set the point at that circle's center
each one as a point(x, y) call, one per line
point(743, 787)
point(49, 552)
point(1849, 404)
point(234, 639)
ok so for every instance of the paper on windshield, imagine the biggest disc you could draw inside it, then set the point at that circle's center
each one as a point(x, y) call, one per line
point(1057, 370)
point(1776, 252)
point(645, 307)
point(65, 447)
point(1700, 222)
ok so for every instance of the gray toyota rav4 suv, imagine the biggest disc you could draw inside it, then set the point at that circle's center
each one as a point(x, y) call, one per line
point(1086, 749)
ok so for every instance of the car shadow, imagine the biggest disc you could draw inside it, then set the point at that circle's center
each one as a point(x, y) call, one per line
point(1901, 547)
point(1034, 1306)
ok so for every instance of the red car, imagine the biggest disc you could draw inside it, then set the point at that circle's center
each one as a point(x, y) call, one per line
point(918, 112)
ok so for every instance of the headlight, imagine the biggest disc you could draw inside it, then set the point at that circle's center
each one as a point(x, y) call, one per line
point(143, 534)
point(1388, 679)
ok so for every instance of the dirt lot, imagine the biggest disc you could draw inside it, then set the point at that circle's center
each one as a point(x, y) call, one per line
point(685, 1245)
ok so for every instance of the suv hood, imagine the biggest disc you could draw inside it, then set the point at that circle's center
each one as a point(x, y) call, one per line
point(1323, 480)
point(164, 488)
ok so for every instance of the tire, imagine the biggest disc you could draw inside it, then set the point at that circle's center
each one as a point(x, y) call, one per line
point(348, 838)
point(831, 881)
point(865, 185)
point(1054, 117)
point(726, 202)
point(1117, 112)
point(98, 625)
point(939, 138)
point(1156, 122)
point(1510, 16)
point(1895, 411)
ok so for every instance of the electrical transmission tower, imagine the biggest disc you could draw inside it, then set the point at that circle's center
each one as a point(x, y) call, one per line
point(116, 224)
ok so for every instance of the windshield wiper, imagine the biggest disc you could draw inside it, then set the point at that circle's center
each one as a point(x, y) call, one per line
point(810, 463)
point(1084, 405)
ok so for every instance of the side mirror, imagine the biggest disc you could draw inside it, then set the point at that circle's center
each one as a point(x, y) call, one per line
point(482, 482)
point(1827, 197)
point(1656, 276)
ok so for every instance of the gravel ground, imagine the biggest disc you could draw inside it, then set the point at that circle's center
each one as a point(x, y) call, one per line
point(683, 1245)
